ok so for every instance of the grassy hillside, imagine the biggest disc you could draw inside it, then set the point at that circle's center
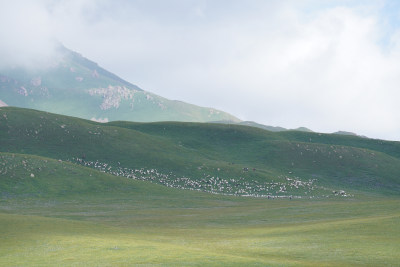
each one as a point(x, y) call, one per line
point(264, 127)
point(30, 176)
point(217, 158)
point(73, 85)
point(71, 215)
point(55, 212)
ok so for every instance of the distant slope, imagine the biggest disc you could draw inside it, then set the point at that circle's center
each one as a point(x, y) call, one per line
point(231, 159)
point(264, 127)
point(303, 129)
point(349, 133)
point(281, 129)
point(73, 85)
point(345, 133)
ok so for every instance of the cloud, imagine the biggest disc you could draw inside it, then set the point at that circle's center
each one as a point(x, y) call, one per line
point(25, 34)
point(326, 71)
point(30, 31)
point(327, 66)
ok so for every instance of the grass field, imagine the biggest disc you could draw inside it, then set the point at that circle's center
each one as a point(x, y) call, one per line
point(160, 230)
point(81, 217)
point(59, 213)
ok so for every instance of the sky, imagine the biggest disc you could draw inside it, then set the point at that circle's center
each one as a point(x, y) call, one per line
point(325, 65)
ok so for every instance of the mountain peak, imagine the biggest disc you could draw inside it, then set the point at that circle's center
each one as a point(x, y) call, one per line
point(76, 86)
point(91, 65)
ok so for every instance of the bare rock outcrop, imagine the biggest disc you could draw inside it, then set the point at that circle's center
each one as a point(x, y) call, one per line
point(2, 104)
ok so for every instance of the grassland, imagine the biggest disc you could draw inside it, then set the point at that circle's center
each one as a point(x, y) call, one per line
point(148, 224)
point(58, 213)
point(80, 216)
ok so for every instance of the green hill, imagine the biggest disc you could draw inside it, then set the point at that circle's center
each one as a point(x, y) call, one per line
point(55, 212)
point(30, 176)
point(218, 158)
point(73, 85)
point(262, 126)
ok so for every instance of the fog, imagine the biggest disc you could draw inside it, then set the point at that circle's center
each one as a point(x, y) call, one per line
point(329, 67)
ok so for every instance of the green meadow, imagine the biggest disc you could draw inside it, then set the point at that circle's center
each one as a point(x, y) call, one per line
point(81, 217)
point(55, 211)
point(174, 228)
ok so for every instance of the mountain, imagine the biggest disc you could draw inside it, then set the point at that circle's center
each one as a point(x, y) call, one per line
point(349, 133)
point(303, 129)
point(73, 85)
point(216, 158)
point(265, 127)
point(281, 129)
point(262, 126)
point(345, 133)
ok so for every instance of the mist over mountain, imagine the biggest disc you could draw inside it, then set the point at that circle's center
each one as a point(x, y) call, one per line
point(70, 84)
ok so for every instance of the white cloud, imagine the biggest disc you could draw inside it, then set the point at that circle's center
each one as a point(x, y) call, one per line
point(287, 63)
point(25, 34)
point(326, 73)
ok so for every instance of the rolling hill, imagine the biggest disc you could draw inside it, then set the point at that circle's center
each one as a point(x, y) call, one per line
point(78, 192)
point(217, 158)
point(73, 85)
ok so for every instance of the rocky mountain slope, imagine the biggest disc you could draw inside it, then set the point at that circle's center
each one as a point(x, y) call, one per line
point(73, 85)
